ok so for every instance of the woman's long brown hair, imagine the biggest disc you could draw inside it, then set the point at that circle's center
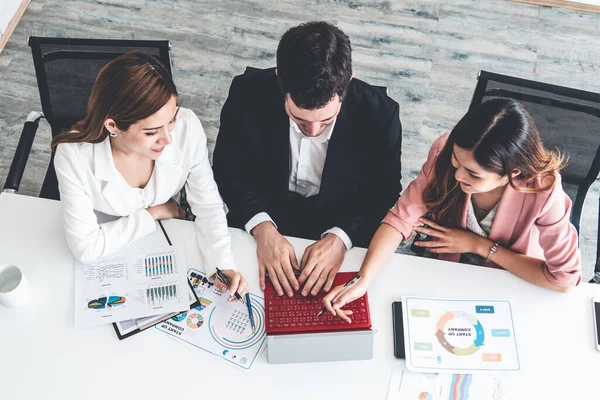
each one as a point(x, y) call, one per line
point(502, 137)
point(130, 88)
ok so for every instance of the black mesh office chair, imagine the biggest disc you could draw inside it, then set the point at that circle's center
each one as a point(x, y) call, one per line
point(568, 119)
point(66, 70)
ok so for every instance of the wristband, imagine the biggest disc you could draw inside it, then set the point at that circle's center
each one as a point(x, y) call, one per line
point(492, 250)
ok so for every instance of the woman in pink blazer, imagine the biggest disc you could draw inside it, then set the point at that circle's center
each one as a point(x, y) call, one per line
point(488, 194)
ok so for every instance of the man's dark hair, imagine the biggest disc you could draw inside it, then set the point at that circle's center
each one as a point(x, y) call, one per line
point(314, 63)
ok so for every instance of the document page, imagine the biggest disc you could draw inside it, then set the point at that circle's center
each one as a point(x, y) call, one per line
point(459, 336)
point(147, 278)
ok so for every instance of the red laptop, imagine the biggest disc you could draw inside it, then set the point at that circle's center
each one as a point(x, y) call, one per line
point(298, 314)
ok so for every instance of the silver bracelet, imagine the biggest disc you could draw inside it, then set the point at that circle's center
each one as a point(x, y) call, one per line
point(492, 251)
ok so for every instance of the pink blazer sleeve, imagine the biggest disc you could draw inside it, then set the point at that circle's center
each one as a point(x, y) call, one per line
point(558, 239)
point(410, 207)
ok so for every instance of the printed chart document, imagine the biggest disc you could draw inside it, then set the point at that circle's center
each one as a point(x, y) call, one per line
point(129, 327)
point(147, 278)
point(459, 336)
point(220, 327)
point(406, 385)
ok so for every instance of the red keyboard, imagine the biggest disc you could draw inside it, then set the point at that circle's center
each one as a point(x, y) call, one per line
point(299, 314)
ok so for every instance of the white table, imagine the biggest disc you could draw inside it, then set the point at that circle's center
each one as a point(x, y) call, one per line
point(43, 357)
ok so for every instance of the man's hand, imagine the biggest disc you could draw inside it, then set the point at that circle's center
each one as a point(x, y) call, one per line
point(320, 264)
point(277, 256)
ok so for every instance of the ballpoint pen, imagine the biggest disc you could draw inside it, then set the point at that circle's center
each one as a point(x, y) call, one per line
point(347, 287)
point(227, 283)
point(249, 305)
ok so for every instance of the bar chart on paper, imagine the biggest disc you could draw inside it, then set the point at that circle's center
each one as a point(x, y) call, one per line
point(157, 295)
point(159, 265)
point(143, 280)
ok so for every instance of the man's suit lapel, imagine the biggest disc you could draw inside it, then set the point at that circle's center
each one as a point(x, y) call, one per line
point(339, 156)
point(279, 132)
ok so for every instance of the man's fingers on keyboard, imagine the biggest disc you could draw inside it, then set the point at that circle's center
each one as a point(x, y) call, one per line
point(289, 273)
point(329, 282)
point(274, 281)
point(307, 269)
point(283, 280)
point(310, 282)
point(294, 261)
point(305, 257)
point(319, 284)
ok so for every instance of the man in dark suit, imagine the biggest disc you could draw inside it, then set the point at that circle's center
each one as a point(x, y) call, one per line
point(307, 150)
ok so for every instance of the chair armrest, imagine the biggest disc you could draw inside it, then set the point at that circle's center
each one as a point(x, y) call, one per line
point(17, 167)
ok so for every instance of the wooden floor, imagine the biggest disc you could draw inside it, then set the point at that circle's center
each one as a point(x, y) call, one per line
point(427, 52)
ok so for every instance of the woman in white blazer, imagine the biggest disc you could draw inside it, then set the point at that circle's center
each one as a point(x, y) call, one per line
point(129, 157)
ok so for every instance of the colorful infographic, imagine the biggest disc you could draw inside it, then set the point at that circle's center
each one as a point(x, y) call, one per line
point(218, 326)
point(143, 280)
point(103, 302)
point(406, 385)
point(459, 336)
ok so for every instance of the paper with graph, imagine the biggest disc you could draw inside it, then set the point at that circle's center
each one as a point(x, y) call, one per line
point(219, 327)
point(406, 385)
point(147, 278)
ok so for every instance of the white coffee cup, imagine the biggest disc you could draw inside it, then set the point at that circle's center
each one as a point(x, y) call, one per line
point(14, 288)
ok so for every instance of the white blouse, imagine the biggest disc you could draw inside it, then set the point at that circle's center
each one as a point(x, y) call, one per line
point(481, 228)
point(89, 182)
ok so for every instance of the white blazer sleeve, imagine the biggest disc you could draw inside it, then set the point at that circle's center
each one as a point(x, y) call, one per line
point(206, 204)
point(88, 240)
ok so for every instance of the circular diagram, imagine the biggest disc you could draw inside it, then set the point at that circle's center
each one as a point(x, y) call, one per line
point(469, 327)
point(194, 320)
point(231, 329)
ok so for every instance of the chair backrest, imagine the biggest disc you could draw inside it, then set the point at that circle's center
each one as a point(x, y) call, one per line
point(568, 119)
point(66, 70)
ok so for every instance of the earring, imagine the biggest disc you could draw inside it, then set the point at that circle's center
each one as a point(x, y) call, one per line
point(113, 134)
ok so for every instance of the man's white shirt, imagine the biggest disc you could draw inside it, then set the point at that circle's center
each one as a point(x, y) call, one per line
point(307, 160)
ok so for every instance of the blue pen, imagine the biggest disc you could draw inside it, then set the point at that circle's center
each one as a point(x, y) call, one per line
point(250, 314)
point(171, 263)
